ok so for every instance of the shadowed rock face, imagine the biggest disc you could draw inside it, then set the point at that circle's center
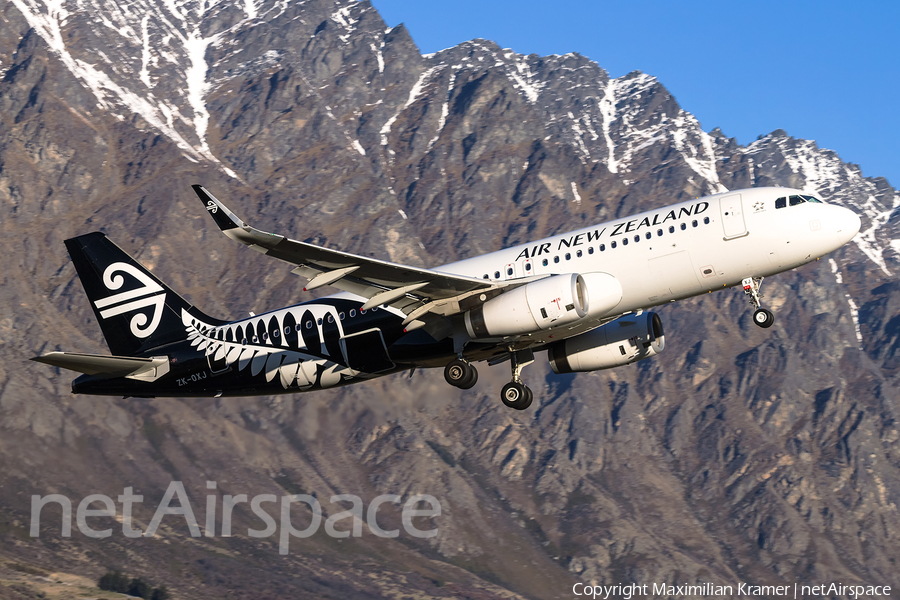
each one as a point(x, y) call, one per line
point(739, 454)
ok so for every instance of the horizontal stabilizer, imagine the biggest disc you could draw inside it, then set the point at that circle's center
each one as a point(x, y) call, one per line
point(113, 366)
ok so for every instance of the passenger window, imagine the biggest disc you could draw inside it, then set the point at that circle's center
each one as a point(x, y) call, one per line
point(486, 276)
point(255, 340)
point(545, 262)
point(590, 250)
point(352, 312)
point(624, 241)
point(275, 334)
point(659, 232)
point(265, 337)
point(496, 274)
point(568, 256)
point(612, 245)
point(683, 226)
point(319, 322)
point(602, 247)
point(298, 326)
point(648, 235)
point(694, 223)
point(287, 331)
point(330, 318)
point(341, 316)
point(706, 220)
point(637, 238)
point(309, 324)
point(527, 266)
point(362, 312)
point(578, 254)
point(795, 200)
point(781, 203)
point(556, 259)
point(244, 342)
point(509, 272)
point(671, 229)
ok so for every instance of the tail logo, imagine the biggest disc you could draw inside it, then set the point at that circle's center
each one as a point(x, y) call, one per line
point(211, 207)
point(150, 294)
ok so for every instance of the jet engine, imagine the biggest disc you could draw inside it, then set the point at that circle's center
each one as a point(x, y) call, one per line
point(546, 303)
point(626, 340)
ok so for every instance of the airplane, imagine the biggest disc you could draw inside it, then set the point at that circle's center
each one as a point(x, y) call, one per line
point(582, 296)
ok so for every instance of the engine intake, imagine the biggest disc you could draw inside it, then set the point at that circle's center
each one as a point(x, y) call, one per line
point(554, 301)
point(626, 340)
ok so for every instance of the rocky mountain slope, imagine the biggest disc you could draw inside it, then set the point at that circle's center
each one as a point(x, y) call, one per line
point(739, 454)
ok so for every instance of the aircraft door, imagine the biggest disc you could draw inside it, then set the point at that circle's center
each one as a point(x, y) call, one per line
point(732, 214)
point(366, 352)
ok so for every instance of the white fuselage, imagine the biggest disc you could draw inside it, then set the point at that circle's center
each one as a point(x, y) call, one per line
point(682, 250)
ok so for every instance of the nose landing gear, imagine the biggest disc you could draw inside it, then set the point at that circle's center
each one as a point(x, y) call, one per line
point(763, 317)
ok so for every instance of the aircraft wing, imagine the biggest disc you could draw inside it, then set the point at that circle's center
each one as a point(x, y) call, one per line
point(417, 292)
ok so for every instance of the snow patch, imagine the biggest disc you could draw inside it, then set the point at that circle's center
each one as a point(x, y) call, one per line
point(608, 113)
point(854, 310)
point(414, 93)
point(854, 314)
point(575, 193)
point(378, 56)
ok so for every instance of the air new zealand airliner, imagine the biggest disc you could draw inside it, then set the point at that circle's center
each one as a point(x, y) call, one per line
point(582, 296)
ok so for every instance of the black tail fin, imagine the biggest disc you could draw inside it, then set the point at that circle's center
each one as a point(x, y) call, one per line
point(136, 311)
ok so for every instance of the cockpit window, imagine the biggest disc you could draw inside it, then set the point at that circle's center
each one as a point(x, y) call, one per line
point(781, 203)
point(811, 199)
point(795, 200)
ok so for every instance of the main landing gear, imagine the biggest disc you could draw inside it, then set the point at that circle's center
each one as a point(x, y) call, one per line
point(460, 373)
point(761, 316)
point(516, 394)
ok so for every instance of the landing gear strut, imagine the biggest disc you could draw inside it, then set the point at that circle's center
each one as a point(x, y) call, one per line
point(460, 373)
point(761, 316)
point(516, 394)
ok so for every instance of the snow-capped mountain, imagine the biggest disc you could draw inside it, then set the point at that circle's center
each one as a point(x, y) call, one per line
point(736, 455)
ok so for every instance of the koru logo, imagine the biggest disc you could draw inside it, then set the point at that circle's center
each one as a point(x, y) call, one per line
point(211, 207)
point(151, 294)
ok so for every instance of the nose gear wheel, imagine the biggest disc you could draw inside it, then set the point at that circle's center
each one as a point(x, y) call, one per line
point(763, 317)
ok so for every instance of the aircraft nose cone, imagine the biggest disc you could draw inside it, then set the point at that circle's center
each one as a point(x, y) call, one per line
point(849, 225)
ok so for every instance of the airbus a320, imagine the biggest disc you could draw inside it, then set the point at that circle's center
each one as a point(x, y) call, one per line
point(583, 297)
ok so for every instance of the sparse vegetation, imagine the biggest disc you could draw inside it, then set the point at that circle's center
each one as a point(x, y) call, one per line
point(28, 570)
point(116, 581)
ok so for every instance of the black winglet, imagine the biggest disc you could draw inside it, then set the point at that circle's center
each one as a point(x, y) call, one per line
point(223, 217)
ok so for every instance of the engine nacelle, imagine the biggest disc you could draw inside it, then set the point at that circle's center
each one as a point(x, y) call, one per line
point(554, 301)
point(626, 340)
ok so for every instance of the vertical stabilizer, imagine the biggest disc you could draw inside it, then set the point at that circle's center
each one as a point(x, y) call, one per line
point(136, 311)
